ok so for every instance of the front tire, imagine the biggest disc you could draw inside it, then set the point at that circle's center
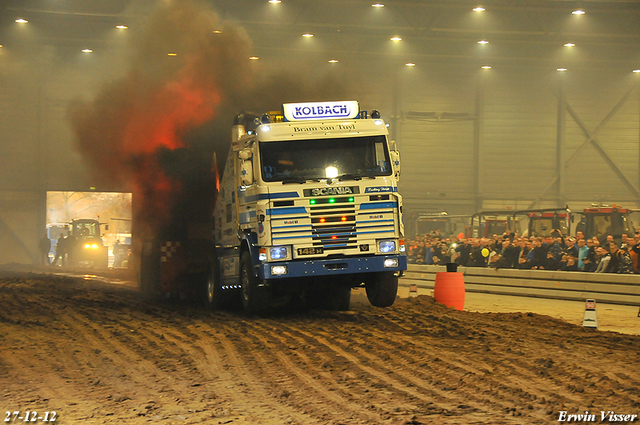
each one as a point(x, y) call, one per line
point(382, 289)
point(255, 298)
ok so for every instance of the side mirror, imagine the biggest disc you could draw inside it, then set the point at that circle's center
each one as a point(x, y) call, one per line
point(395, 160)
point(245, 154)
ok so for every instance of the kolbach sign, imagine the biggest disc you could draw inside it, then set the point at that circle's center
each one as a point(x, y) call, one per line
point(321, 110)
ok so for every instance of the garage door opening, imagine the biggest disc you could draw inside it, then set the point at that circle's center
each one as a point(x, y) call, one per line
point(97, 220)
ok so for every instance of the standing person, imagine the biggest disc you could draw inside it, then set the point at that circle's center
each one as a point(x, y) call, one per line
point(583, 251)
point(61, 251)
point(45, 247)
point(117, 254)
point(614, 262)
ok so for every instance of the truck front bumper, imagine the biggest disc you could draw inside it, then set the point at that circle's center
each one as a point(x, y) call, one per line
point(334, 266)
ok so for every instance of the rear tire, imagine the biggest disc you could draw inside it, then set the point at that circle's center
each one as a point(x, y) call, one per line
point(255, 298)
point(382, 289)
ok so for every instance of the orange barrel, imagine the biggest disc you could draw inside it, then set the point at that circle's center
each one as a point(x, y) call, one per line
point(449, 289)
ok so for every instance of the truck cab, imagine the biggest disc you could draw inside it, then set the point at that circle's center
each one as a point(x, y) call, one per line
point(309, 205)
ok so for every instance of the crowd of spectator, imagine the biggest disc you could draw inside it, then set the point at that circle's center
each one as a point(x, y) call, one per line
point(510, 251)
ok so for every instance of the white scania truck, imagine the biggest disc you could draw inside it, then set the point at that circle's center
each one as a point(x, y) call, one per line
point(308, 208)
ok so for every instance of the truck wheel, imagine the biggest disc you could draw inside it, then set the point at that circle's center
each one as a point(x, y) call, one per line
point(255, 299)
point(382, 289)
point(215, 297)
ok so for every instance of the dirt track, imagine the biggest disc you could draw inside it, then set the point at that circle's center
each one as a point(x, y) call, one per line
point(94, 353)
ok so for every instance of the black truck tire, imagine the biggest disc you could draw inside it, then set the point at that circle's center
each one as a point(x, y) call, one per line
point(255, 299)
point(215, 297)
point(382, 289)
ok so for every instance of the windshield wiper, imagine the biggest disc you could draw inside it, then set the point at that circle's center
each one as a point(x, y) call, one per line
point(299, 180)
point(353, 177)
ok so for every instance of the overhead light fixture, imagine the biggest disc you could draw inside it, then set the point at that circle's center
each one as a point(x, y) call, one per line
point(409, 64)
point(21, 21)
point(377, 5)
point(333, 61)
point(569, 44)
point(172, 54)
point(275, 1)
point(562, 69)
point(479, 9)
point(87, 51)
point(396, 38)
point(578, 12)
point(486, 66)
point(254, 58)
point(122, 27)
point(637, 71)
point(307, 35)
point(483, 42)
point(217, 32)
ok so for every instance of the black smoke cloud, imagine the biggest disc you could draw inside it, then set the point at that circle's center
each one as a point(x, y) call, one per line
point(163, 104)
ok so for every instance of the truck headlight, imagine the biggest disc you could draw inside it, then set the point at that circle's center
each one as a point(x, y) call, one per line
point(387, 246)
point(279, 253)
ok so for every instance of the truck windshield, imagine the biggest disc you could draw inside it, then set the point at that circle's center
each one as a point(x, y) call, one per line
point(346, 158)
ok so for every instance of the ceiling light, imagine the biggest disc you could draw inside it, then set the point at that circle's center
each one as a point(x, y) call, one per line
point(307, 35)
point(578, 12)
point(217, 32)
point(562, 69)
point(122, 27)
point(333, 61)
point(275, 1)
point(486, 67)
point(483, 42)
point(21, 21)
point(87, 51)
point(377, 5)
point(479, 9)
point(172, 54)
point(409, 64)
point(254, 58)
point(569, 44)
point(637, 71)
point(396, 38)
